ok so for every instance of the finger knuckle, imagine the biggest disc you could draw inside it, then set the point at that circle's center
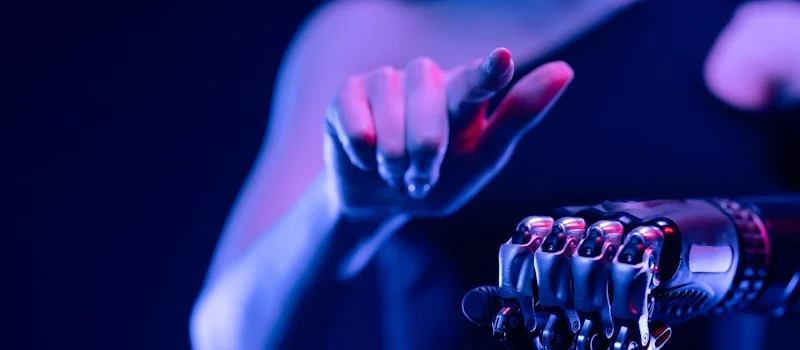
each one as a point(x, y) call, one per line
point(351, 85)
point(361, 136)
point(385, 72)
point(422, 64)
point(351, 88)
point(384, 80)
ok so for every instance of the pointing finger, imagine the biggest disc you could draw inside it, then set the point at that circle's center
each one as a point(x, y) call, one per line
point(469, 87)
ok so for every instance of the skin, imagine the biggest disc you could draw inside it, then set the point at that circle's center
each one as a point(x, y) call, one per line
point(754, 63)
point(398, 33)
point(400, 116)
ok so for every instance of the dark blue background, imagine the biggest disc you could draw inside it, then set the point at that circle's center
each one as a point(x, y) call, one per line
point(128, 131)
point(130, 128)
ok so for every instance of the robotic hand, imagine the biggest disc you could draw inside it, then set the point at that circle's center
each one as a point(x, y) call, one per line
point(612, 276)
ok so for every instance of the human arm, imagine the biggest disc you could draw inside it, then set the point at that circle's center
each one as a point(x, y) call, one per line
point(342, 39)
point(300, 252)
point(292, 158)
point(283, 223)
point(242, 308)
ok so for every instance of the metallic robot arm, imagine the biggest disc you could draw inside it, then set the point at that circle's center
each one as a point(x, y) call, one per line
point(612, 276)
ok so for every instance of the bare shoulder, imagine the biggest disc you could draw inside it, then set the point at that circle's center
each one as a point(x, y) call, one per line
point(392, 32)
point(338, 40)
point(357, 31)
point(370, 13)
point(451, 32)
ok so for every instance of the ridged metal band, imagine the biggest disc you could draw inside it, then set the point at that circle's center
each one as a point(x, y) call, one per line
point(754, 256)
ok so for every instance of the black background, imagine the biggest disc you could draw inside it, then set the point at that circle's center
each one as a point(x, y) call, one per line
point(130, 128)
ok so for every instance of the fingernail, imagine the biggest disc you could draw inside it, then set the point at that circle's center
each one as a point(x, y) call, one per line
point(499, 60)
point(489, 65)
point(418, 190)
point(498, 70)
point(569, 72)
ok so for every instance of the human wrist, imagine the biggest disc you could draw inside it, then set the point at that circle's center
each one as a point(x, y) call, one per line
point(364, 236)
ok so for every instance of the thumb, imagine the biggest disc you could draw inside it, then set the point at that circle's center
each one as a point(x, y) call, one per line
point(526, 104)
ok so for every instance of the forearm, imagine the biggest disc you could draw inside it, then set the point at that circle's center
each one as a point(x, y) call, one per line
point(246, 306)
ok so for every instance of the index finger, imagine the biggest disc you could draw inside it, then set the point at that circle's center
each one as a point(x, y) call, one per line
point(470, 86)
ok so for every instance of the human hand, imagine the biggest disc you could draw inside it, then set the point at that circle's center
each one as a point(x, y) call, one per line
point(755, 63)
point(419, 142)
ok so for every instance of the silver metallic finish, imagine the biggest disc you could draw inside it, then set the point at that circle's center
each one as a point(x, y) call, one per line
point(613, 231)
point(572, 227)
